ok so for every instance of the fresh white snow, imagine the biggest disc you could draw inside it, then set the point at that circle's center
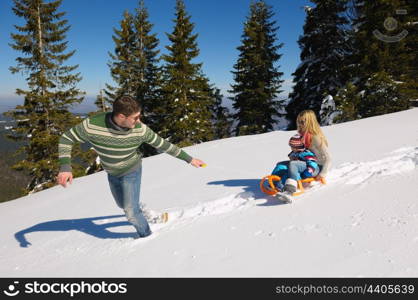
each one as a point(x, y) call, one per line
point(363, 222)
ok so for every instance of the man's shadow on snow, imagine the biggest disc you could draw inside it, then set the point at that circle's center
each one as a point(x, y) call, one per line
point(85, 225)
point(251, 189)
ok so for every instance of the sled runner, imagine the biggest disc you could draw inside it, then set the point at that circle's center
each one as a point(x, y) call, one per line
point(271, 189)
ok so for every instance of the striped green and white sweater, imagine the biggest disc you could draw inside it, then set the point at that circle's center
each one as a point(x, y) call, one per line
point(117, 147)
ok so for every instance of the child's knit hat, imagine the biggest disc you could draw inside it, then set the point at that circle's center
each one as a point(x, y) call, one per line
point(296, 142)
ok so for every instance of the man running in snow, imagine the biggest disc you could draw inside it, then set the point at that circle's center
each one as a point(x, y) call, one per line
point(116, 136)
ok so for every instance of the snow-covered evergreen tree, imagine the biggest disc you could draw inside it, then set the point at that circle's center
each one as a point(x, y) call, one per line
point(257, 77)
point(134, 64)
point(221, 117)
point(328, 112)
point(51, 92)
point(410, 24)
point(148, 72)
point(325, 47)
point(122, 68)
point(382, 95)
point(101, 102)
point(187, 93)
point(380, 64)
point(347, 102)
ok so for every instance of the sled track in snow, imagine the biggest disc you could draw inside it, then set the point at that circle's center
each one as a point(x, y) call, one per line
point(400, 161)
point(184, 216)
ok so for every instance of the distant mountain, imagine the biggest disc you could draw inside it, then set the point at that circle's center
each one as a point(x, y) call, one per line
point(8, 103)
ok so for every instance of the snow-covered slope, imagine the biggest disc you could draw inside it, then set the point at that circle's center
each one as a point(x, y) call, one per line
point(364, 222)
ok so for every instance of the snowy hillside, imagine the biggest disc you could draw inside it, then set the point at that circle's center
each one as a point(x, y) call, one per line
point(364, 222)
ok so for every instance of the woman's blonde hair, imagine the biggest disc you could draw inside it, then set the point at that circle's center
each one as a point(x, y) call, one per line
point(307, 122)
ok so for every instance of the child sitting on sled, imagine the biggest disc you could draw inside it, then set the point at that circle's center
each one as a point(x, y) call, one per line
point(303, 163)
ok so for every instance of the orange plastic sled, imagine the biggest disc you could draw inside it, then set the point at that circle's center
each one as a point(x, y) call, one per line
point(272, 190)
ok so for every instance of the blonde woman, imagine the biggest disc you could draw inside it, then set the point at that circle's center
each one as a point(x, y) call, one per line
point(314, 140)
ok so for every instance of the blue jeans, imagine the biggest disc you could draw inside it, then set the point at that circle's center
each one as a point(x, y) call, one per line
point(125, 190)
point(290, 169)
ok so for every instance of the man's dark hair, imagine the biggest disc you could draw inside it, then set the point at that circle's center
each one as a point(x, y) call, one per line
point(126, 105)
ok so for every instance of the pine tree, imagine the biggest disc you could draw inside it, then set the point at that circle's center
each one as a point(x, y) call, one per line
point(256, 76)
point(100, 102)
point(45, 115)
point(382, 95)
point(410, 24)
point(379, 40)
point(348, 101)
point(221, 117)
point(134, 65)
point(328, 111)
point(122, 61)
point(188, 96)
point(147, 72)
point(381, 62)
point(325, 47)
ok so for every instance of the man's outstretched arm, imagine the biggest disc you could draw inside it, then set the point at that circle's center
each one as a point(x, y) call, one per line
point(66, 142)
